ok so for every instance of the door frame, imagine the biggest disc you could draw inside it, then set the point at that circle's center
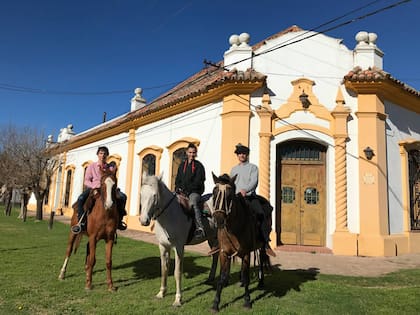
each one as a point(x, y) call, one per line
point(278, 192)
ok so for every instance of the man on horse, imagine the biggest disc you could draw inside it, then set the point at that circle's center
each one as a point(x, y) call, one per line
point(190, 181)
point(246, 183)
point(92, 182)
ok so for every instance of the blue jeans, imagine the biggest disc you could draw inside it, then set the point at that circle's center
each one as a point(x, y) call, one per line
point(81, 201)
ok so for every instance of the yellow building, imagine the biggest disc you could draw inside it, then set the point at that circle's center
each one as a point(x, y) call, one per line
point(336, 139)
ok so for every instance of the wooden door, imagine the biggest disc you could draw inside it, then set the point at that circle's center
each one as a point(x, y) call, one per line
point(303, 204)
point(301, 197)
point(312, 205)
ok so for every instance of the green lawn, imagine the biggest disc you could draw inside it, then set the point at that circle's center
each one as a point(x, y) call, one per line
point(31, 256)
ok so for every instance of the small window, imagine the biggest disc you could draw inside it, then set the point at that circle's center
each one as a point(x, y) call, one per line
point(287, 194)
point(302, 151)
point(149, 164)
point(311, 196)
point(68, 185)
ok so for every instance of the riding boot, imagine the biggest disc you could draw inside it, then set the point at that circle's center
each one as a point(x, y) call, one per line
point(265, 232)
point(121, 224)
point(121, 213)
point(199, 231)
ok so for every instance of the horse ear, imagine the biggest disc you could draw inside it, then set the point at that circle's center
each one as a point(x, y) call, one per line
point(233, 179)
point(215, 179)
point(160, 176)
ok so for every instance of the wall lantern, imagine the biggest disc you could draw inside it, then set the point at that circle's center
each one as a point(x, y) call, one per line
point(303, 98)
point(369, 153)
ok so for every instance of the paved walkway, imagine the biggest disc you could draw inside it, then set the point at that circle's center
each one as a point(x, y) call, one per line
point(324, 263)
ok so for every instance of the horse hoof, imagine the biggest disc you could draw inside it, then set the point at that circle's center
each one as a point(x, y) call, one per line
point(177, 304)
point(112, 289)
point(214, 310)
point(88, 288)
point(247, 306)
point(159, 295)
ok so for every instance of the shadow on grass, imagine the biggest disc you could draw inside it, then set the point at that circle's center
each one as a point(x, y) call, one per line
point(277, 283)
point(149, 268)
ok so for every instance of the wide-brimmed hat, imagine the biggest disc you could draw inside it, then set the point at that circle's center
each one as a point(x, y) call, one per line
point(240, 148)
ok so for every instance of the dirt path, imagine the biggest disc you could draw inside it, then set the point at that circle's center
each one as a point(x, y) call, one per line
point(323, 263)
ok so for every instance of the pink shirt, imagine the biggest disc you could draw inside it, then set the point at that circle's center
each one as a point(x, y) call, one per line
point(93, 175)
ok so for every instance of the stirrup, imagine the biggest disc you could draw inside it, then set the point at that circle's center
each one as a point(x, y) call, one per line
point(76, 229)
point(213, 250)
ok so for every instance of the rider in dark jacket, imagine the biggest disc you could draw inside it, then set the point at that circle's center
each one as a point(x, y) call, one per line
point(190, 180)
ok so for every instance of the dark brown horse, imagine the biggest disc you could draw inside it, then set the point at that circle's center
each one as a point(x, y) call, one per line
point(102, 222)
point(237, 235)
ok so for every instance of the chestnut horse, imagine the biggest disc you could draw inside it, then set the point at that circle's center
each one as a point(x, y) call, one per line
point(102, 222)
point(237, 235)
point(173, 230)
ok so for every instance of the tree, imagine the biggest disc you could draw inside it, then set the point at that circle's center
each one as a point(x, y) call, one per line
point(28, 166)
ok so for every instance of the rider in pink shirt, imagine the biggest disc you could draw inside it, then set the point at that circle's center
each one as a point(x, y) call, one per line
point(92, 181)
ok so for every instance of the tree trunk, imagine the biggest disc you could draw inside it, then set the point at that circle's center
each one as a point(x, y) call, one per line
point(9, 195)
point(24, 210)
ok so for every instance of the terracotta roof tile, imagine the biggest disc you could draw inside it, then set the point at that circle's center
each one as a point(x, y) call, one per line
point(197, 84)
point(374, 74)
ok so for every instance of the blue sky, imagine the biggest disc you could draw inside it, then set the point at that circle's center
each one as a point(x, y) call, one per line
point(65, 62)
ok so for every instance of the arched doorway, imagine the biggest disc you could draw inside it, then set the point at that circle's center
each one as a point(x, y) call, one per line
point(300, 193)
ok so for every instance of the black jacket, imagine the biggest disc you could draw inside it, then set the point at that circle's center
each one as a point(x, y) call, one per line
point(190, 177)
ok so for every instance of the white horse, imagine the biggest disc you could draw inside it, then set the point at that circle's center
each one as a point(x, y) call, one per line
point(172, 230)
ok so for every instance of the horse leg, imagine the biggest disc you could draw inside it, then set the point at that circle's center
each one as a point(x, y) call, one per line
point(108, 255)
point(224, 276)
point(90, 261)
point(69, 250)
point(165, 256)
point(212, 274)
point(179, 259)
point(245, 280)
point(262, 262)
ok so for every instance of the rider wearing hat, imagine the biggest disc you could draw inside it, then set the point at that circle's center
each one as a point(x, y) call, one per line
point(246, 183)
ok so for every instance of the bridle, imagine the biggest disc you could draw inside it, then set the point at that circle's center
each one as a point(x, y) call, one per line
point(162, 209)
point(221, 203)
point(158, 209)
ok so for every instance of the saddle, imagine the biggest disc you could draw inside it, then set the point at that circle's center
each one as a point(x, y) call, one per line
point(184, 202)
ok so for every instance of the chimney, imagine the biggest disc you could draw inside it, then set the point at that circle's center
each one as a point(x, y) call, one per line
point(366, 53)
point(239, 55)
point(137, 101)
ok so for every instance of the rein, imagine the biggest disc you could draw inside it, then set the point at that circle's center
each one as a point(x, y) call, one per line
point(162, 210)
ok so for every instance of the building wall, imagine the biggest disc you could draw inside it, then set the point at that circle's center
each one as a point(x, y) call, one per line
point(316, 67)
point(401, 125)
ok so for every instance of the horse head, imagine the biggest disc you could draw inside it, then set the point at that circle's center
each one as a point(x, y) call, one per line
point(108, 186)
point(223, 196)
point(149, 198)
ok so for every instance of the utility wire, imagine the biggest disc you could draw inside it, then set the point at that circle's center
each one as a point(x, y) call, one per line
point(282, 45)
point(293, 42)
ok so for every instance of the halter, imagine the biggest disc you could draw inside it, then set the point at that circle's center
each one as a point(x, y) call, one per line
point(162, 210)
point(221, 199)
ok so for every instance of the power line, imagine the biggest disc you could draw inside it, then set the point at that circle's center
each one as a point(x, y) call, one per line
point(17, 88)
point(293, 42)
point(5, 86)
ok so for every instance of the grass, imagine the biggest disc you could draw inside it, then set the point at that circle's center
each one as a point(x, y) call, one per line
point(31, 256)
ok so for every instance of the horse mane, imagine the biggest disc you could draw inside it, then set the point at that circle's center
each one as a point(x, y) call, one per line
point(225, 179)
